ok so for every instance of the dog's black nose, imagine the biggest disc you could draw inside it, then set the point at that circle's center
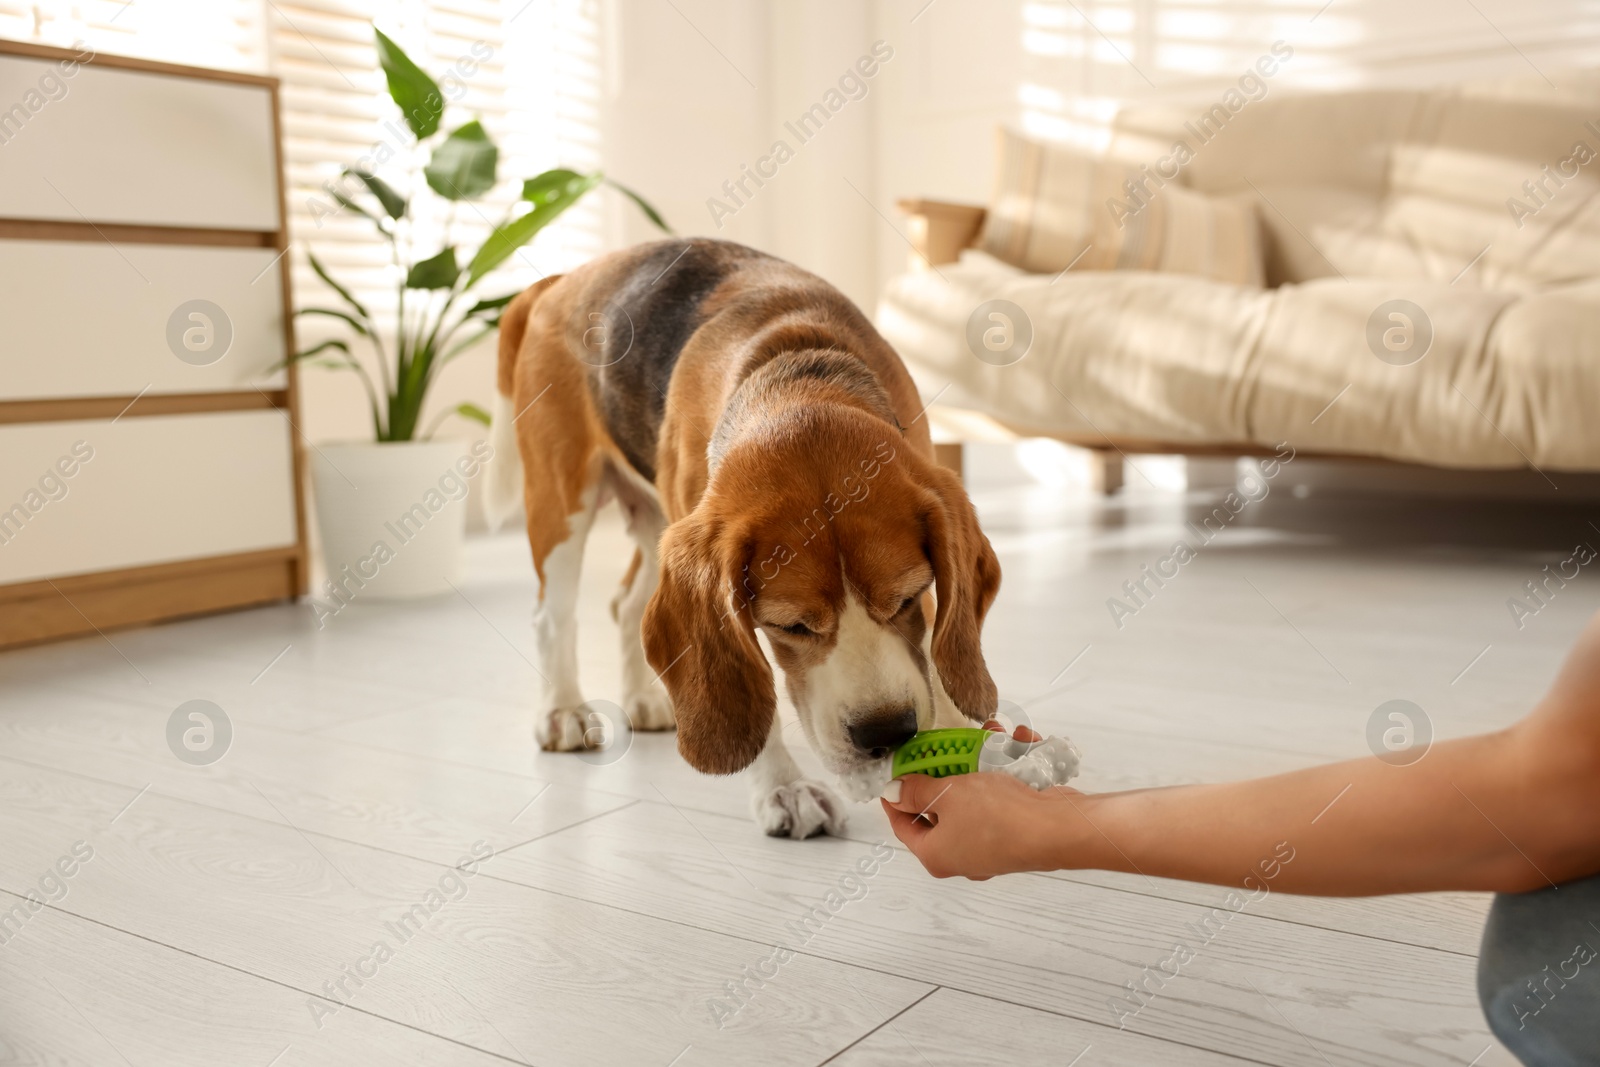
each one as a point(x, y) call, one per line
point(882, 730)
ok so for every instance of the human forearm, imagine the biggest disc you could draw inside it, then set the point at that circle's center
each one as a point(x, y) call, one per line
point(1509, 811)
point(1494, 812)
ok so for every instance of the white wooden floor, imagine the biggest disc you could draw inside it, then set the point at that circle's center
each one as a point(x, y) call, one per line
point(221, 902)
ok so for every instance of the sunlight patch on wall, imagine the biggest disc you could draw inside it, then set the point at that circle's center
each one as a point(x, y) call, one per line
point(1081, 121)
point(1141, 51)
point(1189, 58)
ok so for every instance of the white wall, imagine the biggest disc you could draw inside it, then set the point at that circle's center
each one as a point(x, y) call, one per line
point(701, 89)
point(684, 103)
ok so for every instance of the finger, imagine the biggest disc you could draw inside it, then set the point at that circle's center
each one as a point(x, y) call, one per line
point(907, 826)
point(994, 725)
point(913, 832)
point(1028, 734)
point(920, 794)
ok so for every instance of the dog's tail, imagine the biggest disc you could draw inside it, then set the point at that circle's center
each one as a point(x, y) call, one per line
point(503, 492)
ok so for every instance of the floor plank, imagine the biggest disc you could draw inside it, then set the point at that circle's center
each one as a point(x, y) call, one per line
point(1070, 949)
point(961, 1030)
point(417, 807)
point(485, 963)
point(77, 992)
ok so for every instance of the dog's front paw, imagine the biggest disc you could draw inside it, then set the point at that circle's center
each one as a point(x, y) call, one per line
point(566, 730)
point(651, 709)
point(800, 809)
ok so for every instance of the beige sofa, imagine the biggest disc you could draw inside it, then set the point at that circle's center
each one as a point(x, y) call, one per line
point(1362, 198)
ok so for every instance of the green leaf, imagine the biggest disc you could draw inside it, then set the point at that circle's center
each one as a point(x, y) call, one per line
point(347, 363)
point(493, 303)
point(341, 290)
point(550, 185)
point(460, 348)
point(466, 411)
point(488, 313)
point(335, 313)
point(345, 201)
point(313, 350)
point(519, 231)
point(416, 94)
point(393, 203)
point(649, 212)
point(435, 272)
point(473, 412)
point(463, 165)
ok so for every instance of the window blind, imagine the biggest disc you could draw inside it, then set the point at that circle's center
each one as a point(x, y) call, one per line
point(227, 34)
point(508, 63)
point(528, 69)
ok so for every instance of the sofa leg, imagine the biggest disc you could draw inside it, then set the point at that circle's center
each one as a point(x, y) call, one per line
point(1106, 471)
point(950, 454)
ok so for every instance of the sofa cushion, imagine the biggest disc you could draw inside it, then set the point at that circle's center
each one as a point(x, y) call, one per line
point(1288, 138)
point(1322, 231)
point(1397, 184)
point(1500, 175)
point(1506, 380)
point(1041, 214)
point(1128, 353)
point(1544, 358)
point(1180, 231)
point(1052, 209)
point(1318, 344)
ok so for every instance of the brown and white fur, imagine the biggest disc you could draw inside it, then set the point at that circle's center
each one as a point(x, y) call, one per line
point(768, 451)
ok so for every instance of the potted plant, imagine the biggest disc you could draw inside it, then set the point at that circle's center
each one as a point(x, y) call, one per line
point(390, 510)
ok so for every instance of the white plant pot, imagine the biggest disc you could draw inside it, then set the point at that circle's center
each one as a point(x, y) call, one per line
point(391, 515)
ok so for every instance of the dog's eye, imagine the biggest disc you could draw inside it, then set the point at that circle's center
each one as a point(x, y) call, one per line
point(799, 629)
point(907, 602)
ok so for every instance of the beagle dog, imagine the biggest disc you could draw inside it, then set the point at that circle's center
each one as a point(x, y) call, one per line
point(768, 451)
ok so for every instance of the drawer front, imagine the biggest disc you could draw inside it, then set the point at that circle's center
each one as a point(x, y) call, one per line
point(130, 147)
point(83, 318)
point(80, 497)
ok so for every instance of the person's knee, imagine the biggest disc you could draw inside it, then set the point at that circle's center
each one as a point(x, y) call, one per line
point(1510, 1001)
point(1539, 974)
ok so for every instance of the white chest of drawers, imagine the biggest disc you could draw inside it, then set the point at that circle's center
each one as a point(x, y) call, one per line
point(149, 458)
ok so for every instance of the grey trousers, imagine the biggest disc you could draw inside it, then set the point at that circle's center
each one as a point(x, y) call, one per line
point(1539, 974)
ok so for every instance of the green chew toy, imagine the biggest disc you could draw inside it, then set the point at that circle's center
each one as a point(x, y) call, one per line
point(941, 753)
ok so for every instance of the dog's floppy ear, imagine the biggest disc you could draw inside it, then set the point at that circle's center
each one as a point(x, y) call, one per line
point(966, 576)
point(699, 635)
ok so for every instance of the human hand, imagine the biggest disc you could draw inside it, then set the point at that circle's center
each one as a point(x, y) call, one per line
point(978, 825)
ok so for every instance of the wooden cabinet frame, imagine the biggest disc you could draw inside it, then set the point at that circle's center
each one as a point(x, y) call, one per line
point(48, 609)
